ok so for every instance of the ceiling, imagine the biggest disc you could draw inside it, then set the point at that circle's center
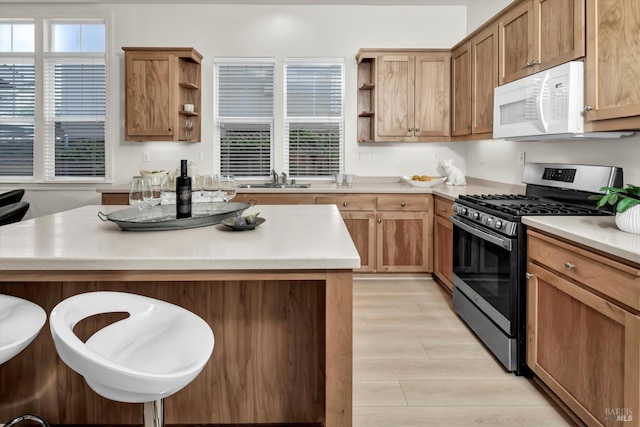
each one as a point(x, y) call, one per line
point(268, 2)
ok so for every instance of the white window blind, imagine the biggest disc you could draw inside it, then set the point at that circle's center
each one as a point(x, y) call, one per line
point(53, 100)
point(314, 118)
point(243, 115)
point(74, 116)
point(17, 110)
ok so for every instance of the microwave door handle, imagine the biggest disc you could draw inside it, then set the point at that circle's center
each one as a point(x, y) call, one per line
point(496, 240)
point(540, 104)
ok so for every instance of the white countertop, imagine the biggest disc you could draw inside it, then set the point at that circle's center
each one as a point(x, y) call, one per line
point(293, 237)
point(598, 232)
point(381, 185)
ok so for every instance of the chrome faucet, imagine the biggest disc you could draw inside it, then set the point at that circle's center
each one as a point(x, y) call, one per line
point(284, 178)
point(274, 175)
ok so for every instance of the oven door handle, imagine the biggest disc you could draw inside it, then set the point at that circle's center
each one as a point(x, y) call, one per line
point(503, 242)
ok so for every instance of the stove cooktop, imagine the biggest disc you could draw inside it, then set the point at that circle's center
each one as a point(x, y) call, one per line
point(517, 205)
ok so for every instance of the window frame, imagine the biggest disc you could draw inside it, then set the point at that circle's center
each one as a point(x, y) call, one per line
point(289, 120)
point(250, 120)
point(44, 151)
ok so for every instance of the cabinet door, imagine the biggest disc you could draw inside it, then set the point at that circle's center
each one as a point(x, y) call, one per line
point(584, 348)
point(432, 95)
point(461, 90)
point(394, 96)
point(402, 242)
point(516, 43)
point(560, 32)
point(275, 199)
point(613, 63)
point(443, 250)
point(361, 226)
point(484, 51)
point(150, 99)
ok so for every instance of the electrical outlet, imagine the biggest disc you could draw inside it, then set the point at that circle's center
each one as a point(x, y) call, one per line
point(521, 156)
point(146, 156)
point(199, 156)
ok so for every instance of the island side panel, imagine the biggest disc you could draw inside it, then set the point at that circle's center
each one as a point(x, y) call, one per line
point(339, 349)
point(268, 365)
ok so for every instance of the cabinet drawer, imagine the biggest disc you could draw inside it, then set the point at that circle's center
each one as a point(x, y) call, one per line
point(443, 207)
point(614, 279)
point(353, 202)
point(421, 203)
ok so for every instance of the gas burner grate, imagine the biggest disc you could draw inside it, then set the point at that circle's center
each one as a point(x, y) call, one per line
point(547, 209)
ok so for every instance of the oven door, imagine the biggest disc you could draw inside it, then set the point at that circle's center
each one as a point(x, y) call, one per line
point(485, 270)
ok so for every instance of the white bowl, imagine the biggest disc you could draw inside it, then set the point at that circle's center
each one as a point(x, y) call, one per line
point(425, 184)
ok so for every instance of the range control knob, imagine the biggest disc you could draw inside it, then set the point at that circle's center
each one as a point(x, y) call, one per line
point(489, 221)
point(463, 211)
point(498, 223)
point(475, 215)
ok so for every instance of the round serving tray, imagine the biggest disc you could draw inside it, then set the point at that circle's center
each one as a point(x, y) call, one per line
point(160, 218)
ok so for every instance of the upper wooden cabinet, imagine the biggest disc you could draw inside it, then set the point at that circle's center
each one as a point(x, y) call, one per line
point(407, 97)
point(461, 90)
point(612, 83)
point(474, 71)
point(158, 83)
point(540, 34)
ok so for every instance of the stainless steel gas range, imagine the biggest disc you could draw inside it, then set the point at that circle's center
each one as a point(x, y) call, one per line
point(490, 250)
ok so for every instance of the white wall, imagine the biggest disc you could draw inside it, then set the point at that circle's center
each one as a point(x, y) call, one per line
point(497, 160)
point(480, 11)
point(251, 30)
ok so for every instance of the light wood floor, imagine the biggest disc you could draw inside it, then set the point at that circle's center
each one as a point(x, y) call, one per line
point(415, 363)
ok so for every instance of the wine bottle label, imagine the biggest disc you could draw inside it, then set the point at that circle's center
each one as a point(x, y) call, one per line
point(183, 202)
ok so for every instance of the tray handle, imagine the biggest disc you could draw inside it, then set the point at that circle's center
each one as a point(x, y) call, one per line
point(103, 216)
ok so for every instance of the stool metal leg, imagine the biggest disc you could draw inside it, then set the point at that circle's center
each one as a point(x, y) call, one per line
point(27, 417)
point(153, 414)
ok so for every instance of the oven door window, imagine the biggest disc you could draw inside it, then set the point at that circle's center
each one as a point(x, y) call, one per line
point(488, 269)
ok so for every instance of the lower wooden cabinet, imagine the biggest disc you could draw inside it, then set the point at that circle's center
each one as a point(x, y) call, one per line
point(443, 242)
point(580, 343)
point(392, 233)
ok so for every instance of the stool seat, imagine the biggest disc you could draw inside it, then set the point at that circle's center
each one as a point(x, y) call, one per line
point(20, 323)
point(153, 353)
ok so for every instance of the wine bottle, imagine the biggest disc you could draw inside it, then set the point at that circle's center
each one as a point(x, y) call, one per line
point(183, 192)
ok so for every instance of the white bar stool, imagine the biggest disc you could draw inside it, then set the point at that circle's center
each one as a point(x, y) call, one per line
point(20, 323)
point(152, 354)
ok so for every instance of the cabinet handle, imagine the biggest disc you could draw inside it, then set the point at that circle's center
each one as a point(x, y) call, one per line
point(443, 209)
point(379, 221)
point(410, 129)
point(344, 204)
point(569, 266)
point(170, 129)
point(528, 275)
point(403, 204)
point(528, 64)
point(467, 126)
point(417, 129)
point(588, 108)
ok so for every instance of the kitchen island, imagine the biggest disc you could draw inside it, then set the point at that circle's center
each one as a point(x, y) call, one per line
point(278, 298)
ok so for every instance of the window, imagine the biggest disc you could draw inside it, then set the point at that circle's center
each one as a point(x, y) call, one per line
point(314, 123)
point(71, 132)
point(243, 112)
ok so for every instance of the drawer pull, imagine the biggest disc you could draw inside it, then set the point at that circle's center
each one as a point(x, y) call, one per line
point(344, 204)
point(403, 204)
point(569, 266)
point(443, 209)
point(379, 221)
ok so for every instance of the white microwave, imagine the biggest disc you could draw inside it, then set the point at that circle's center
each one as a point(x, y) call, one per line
point(545, 105)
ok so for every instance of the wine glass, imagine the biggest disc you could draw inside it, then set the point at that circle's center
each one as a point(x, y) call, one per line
point(136, 194)
point(152, 193)
point(227, 187)
point(210, 188)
